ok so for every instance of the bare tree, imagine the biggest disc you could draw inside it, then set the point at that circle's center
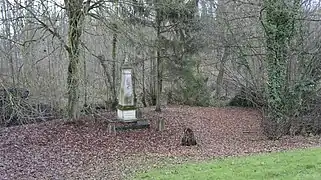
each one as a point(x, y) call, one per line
point(76, 14)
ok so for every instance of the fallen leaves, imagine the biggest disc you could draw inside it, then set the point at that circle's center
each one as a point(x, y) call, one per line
point(59, 150)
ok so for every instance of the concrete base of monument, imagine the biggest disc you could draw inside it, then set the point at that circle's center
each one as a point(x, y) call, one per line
point(139, 124)
point(120, 125)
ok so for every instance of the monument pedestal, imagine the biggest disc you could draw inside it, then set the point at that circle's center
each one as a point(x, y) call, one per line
point(127, 115)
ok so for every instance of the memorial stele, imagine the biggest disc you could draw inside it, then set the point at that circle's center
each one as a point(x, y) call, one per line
point(126, 110)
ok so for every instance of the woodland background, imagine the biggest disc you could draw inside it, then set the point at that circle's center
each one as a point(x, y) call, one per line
point(262, 53)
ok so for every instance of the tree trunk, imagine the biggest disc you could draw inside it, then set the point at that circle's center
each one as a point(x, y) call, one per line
point(7, 43)
point(73, 86)
point(114, 49)
point(158, 62)
point(158, 83)
point(278, 26)
point(76, 19)
point(144, 90)
point(114, 68)
point(220, 76)
point(13, 74)
point(85, 83)
point(108, 81)
point(152, 84)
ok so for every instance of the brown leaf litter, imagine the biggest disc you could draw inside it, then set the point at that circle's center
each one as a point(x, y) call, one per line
point(85, 150)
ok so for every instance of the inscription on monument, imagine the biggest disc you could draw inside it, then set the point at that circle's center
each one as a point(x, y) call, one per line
point(129, 114)
point(128, 87)
point(128, 83)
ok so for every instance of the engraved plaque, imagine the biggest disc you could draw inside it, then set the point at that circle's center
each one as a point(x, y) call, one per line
point(128, 85)
point(127, 115)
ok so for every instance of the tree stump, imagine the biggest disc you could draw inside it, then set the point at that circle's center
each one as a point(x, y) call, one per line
point(111, 128)
point(188, 138)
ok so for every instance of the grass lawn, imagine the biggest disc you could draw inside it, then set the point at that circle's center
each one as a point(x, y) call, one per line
point(299, 164)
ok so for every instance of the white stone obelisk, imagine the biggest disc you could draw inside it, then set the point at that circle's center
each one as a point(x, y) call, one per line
point(126, 110)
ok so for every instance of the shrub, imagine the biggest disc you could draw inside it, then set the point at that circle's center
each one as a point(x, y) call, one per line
point(247, 97)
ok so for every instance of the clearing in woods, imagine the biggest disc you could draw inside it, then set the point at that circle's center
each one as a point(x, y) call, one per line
point(59, 150)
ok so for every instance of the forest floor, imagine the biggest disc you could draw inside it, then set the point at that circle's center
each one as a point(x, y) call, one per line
point(60, 150)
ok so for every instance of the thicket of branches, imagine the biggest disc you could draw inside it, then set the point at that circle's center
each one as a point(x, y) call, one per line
point(262, 53)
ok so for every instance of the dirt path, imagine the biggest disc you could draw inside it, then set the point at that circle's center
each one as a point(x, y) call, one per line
point(54, 150)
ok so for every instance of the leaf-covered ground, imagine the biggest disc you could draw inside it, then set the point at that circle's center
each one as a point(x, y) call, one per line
point(58, 150)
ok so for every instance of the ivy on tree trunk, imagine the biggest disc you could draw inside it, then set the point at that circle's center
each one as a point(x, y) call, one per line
point(279, 29)
point(75, 13)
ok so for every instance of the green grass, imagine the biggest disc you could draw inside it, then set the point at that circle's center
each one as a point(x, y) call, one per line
point(291, 165)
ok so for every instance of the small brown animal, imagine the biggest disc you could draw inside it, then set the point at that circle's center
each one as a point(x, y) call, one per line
point(188, 138)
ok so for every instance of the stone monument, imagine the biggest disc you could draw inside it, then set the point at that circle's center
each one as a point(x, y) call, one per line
point(126, 109)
